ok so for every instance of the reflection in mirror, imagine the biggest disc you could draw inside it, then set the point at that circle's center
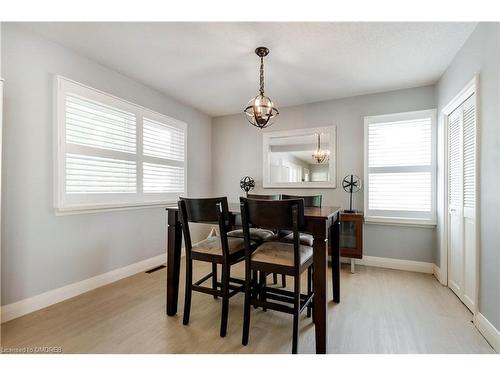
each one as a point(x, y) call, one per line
point(303, 158)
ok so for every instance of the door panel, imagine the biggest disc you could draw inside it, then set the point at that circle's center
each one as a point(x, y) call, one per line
point(469, 188)
point(455, 203)
point(455, 254)
point(462, 248)
point(470, 263)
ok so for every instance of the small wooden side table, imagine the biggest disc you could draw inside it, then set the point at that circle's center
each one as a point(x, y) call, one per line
point(351, 236)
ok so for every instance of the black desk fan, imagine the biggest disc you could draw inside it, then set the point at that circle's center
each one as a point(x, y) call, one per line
point(351, 184)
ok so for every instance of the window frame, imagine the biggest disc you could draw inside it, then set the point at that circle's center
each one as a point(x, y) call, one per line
point(407, 218)
point(65, 205)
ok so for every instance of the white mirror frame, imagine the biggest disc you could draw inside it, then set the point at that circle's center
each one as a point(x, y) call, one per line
point(266, 178)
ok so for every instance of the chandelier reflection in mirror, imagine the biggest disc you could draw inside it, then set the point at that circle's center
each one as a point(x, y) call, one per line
point(260, 111)
point(320, 156)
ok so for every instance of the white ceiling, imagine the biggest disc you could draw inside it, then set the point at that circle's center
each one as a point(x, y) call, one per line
point(212, 66)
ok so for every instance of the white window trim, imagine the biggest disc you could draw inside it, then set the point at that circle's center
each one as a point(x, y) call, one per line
point(398, 218)
point(146, 200)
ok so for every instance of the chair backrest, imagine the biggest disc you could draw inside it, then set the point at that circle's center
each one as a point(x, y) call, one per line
point(273, 197)
point(309, 200)
point(273, 214)
point(285, 214)
point(204, 210)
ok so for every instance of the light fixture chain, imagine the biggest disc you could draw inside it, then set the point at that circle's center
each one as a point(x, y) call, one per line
point(261, 75)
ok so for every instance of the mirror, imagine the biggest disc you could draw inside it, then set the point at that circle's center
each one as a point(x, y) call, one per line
point(299, 158)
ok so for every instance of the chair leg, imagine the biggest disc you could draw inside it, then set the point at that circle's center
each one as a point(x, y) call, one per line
point(246, 310)
point(214, 277)
point(262, 286)
point(255, 283)
point(283, 280)
point(296, 314)
point(225, 298)
point(309, 289)
point(275, 278)
point(188, 291)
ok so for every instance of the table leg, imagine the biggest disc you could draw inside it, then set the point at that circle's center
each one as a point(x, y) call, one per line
point(173, 261)
point(335, 251)
point(320, 260)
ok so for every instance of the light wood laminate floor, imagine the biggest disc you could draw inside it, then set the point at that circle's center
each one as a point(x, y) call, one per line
point(381, 311)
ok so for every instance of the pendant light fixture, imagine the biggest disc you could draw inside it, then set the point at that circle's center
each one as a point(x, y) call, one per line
point(260, 111)
point(320, 155)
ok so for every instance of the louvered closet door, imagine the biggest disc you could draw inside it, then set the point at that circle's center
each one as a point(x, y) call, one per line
point(469, 210)
point(455, 203)
point(462, 202)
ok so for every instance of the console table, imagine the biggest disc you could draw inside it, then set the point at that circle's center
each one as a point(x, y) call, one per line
point(351, 236)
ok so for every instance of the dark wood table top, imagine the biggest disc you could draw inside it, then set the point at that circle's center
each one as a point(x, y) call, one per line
point(310, 212)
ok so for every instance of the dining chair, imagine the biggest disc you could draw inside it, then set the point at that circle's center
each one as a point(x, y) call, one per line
point(304, 238)
point(274, 256)
point(259, 234)
point(219, 249)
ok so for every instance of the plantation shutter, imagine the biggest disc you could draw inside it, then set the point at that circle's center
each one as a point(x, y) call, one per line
point(115, 153)
point(93, 124)
point(164, 145)
point(400, 166)
point(93, 174)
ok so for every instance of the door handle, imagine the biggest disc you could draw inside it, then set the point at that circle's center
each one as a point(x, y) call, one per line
point(452, 210)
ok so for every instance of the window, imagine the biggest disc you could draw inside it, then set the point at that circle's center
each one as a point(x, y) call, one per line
point(400, 168)
point(112, 153)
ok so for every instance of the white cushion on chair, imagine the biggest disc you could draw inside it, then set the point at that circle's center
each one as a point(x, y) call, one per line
point(304, 239)
point(280, 253)
point(256, 234)
point(212, 245)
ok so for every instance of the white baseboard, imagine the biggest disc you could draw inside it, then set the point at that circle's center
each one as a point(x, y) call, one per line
point(395, 264)
point(490, 333)
point(28, 305)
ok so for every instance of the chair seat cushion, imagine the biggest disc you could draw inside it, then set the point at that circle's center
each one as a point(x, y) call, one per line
point(304, 239)
point(256, 234)
point(280, 253)
point(212, 245)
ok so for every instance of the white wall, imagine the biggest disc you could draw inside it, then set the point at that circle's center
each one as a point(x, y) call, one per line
point(480, 55)
point(237, 152)
point(41, 251)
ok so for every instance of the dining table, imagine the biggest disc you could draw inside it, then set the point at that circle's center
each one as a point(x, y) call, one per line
point(323, 223)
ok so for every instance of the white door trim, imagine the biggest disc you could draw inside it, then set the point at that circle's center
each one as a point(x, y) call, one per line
point(467, 91)
point(1, 140)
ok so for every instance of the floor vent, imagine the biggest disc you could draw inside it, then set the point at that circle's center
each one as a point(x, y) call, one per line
point(156, 269)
